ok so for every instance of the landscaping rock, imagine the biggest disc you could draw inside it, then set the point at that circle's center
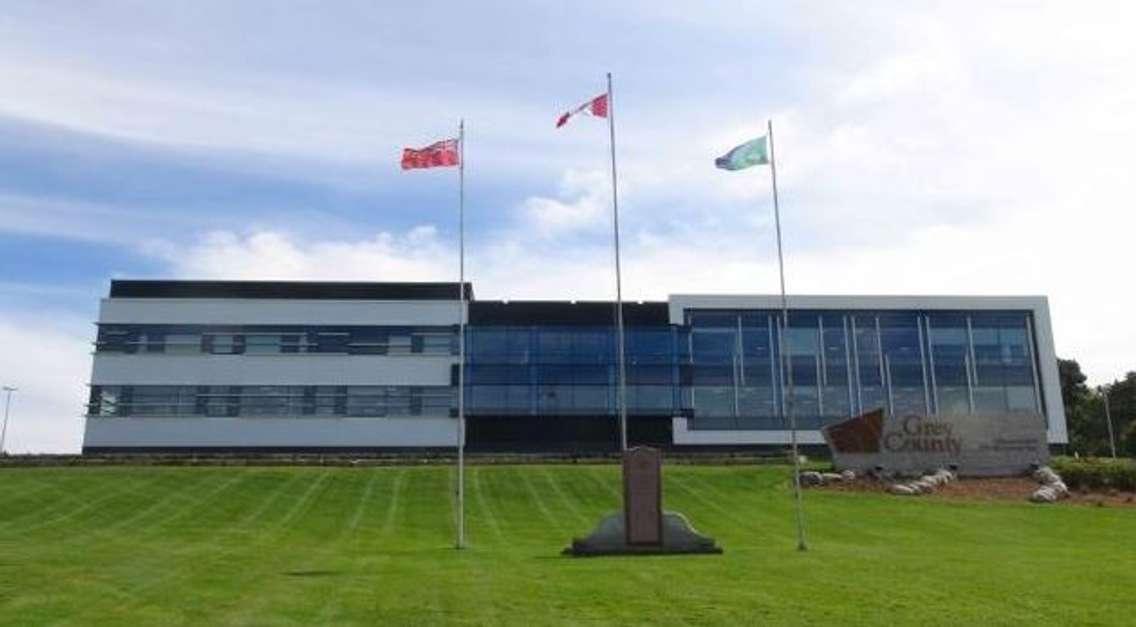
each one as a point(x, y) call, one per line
point(848, 476)
point(832, 477)
point(1045, 494)
point(1046, 476)
point(811, 478)
point(902, 490)
point(924, 485)
point(1052, 488)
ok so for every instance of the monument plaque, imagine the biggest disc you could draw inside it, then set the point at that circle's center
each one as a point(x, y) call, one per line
point(642, 528)
point(643, 495)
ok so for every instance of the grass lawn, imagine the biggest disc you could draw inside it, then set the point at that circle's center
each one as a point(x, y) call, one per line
point(216, 546)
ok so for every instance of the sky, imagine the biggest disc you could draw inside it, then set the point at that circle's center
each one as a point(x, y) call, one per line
point(922, 148)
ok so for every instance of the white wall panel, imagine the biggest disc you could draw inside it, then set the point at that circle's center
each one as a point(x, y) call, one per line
point(271, 311)
point(684, 435)
point(283, 369)
point(679, 303)
point(270, 432)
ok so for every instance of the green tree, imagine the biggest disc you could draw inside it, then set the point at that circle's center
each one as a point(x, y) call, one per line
point(1122, 403)
point(1085, 412)
point(1085, 437)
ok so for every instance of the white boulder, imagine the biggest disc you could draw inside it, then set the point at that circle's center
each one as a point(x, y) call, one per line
point(924, 485)
point(1052, 487)
point(1046, 476)
point(811, 478)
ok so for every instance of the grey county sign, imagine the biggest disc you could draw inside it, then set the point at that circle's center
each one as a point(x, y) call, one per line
point(974, 444)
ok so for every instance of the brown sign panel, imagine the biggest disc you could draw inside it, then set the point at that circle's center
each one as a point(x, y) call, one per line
point(857, 435)
point(643, 495)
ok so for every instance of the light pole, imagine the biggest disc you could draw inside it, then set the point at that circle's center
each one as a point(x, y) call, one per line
point(1108, 419)
point(7, 407)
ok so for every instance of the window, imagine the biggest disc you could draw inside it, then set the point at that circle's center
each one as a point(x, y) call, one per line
point(263, 343)
point(183, 343)
point(160, 400)
point(104, 401)
point(111, 340)
point(1004, 368)
point(268, 400)
point(950, 351)
point(224, 343)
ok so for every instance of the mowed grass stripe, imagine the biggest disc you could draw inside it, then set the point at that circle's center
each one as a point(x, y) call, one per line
point(374, 546)
point(34, 495)
point(42, 504)
point(225, 540)
point(317, 556)
point(365, 498)
point(221, 488)
point(92, 507)
point(524, 475)
point(267, 532)
point(505, 494)
point(394, 501)
point(361, 533)
point(483, 513)
point(177, 494)
point(148, 575)
point(553, 482)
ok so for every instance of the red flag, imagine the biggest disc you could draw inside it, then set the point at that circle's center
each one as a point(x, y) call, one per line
point(596, 106)
point(436, 155)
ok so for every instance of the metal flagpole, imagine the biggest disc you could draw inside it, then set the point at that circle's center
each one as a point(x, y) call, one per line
point(8, 406)
point(1108, 419)
point(461, 336)
point(618, 281)
point(783, 346)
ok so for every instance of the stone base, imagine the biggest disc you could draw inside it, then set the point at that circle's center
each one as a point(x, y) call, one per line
point(610, 538)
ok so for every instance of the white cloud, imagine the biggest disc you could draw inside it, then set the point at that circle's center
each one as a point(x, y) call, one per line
point(945, 149)
point(46, 356)
point(414, 256)
point(583, 202)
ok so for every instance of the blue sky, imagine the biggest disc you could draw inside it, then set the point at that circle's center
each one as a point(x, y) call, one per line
point(923, 148)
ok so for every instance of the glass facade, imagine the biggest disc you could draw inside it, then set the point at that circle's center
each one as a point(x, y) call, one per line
point(722, 368)
point(843, 363)
point(572, 370)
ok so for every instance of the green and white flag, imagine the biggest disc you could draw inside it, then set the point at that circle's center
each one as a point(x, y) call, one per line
point(753, 152)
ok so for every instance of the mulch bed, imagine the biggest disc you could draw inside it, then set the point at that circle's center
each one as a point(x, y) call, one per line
point(993, 489)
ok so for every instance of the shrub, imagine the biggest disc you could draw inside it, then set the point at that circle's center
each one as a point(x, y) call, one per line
point(1097, 472)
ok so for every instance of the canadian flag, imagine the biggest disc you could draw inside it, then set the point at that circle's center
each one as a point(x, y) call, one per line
point(596, 106)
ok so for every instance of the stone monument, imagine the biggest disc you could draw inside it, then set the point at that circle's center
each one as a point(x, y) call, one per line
point(643, 527)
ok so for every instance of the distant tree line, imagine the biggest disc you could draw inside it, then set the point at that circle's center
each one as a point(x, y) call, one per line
point(1085, 412)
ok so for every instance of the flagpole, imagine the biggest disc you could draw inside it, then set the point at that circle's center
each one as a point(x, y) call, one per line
point(461, 337)
point(618, 281)
point(783, 346)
